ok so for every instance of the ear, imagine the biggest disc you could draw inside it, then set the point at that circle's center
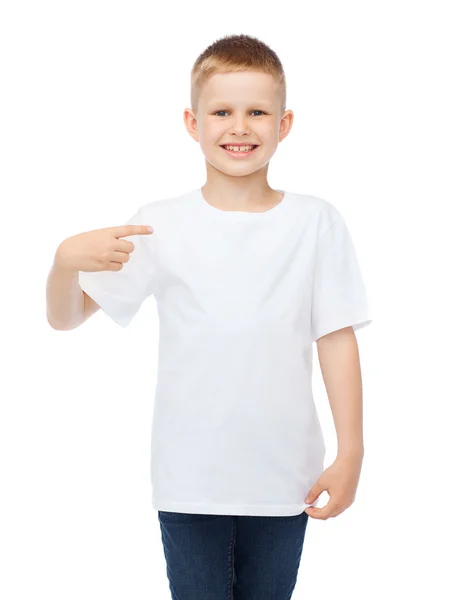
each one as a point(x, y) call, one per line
point(286, 123)
point(190, 122)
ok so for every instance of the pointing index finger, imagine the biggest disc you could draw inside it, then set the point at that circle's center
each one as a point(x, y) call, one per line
point(127, 230)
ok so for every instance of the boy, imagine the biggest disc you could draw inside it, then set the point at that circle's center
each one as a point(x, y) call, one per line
point(245, 278)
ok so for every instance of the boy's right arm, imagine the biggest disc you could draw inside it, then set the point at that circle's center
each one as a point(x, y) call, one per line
point(101, 251)
point(68, 306)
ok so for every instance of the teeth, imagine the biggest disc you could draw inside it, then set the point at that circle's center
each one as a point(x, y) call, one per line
point(239, 148)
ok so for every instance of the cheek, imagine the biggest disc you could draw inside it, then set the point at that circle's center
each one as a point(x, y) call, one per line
point(207, 144)
point(209, 128)
point(211, 137)
point(268, 134)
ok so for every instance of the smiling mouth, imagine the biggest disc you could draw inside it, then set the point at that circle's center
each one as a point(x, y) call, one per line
point(240, 152)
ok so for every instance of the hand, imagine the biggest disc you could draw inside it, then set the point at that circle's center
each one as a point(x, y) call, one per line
point(98, 250)
point(340, 480)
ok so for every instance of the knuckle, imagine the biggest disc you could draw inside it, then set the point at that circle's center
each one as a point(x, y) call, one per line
point(100, 261)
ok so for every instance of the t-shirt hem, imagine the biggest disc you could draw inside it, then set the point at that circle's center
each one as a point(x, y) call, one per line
point(278, 510)
point(356, 323)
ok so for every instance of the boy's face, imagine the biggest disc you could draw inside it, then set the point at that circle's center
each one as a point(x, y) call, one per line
point(238, 108)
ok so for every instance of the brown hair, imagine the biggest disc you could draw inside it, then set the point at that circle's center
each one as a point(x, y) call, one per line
point(234, 53)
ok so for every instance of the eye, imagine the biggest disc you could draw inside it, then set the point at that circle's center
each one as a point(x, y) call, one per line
point(223, 111)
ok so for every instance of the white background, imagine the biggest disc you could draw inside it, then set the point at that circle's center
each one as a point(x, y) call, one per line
point(92, 102)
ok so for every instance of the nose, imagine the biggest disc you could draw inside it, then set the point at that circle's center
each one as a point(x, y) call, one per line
point(240, 126)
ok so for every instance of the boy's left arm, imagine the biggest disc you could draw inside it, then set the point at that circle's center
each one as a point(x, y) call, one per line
point(339, 360)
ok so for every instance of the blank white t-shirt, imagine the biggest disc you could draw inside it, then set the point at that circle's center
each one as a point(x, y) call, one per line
point(241, 297)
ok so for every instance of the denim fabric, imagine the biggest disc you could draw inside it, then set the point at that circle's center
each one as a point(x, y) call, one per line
point(223, 557)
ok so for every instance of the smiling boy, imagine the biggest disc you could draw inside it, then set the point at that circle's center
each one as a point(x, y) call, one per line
point(238, 108)
point(246, 279)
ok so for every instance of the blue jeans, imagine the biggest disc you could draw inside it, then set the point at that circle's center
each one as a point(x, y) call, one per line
point(223, 557)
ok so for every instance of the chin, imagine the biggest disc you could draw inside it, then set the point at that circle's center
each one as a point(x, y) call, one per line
point(234, 172)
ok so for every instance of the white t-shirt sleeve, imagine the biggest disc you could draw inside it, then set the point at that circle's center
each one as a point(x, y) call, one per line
point(121, 293)
point(339, 295)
